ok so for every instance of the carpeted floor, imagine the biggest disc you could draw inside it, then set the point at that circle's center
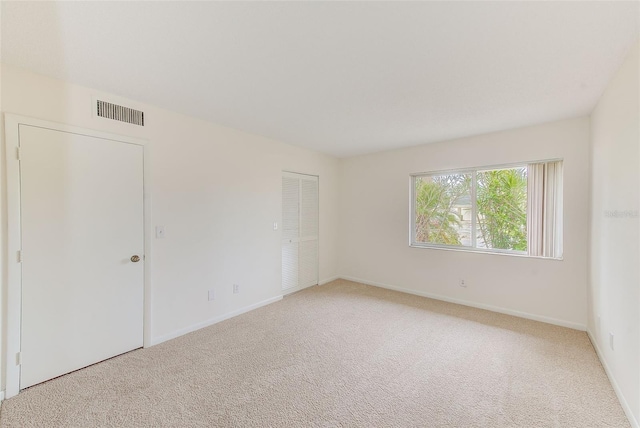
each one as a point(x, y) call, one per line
point(342, 354)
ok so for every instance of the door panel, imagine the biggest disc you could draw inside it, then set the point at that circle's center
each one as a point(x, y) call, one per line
point(82, 219)
point(290, 209)
point(308, 231)
point(289, 266)
point(308, 261)
point(309, 208)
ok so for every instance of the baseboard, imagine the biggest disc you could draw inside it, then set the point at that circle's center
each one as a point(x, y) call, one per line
point(211, 321)
point(623, 402)
point(1, 395)
point(328, 280)
point(548, 320)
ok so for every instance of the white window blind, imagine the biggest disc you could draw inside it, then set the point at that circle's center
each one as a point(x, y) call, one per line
point(545, 211)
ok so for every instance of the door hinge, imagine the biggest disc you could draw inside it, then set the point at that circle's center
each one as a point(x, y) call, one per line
point(19, 256)
point(18, 358)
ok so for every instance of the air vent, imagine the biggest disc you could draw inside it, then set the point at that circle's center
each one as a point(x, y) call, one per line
point(121, 113)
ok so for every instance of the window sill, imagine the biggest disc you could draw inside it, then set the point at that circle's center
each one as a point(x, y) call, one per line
point(482, 251)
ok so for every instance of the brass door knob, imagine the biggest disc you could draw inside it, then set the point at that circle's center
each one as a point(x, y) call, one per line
point(135, 259)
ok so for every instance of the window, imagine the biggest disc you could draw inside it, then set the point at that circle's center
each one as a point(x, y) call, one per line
point(515, 209)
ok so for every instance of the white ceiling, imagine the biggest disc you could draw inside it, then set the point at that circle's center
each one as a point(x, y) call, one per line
point(341, 78)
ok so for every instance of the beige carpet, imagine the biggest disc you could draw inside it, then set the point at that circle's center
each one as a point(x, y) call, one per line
point(342, 354)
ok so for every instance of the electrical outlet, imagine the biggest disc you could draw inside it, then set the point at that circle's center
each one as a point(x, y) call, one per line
point(462, 283)
point(611, 341)
point(236, 288)
point(275, 226)
point(212, 294)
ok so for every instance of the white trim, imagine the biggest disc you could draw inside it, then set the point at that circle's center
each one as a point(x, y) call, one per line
point(623, 402)
point(494, 252)
point(215, 320)
point(412, 210)
point(296, 175)
point(467, 170)
point(14, 270)
point(526, 315)
point(474, 209)
point(296, 289)
point(328, 280)
point(1, 395)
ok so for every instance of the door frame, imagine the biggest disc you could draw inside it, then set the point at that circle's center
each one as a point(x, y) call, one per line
point(296, 175)
point(13, 306)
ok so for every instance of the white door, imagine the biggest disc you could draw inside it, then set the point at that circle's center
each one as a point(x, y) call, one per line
point(299, 231)
point(82, 222)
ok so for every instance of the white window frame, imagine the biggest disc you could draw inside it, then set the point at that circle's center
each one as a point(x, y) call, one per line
point(473, 171)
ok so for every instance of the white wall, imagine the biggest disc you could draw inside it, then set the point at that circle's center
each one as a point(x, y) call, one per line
point(614, 290)
point(374, 226)
point(216, 190)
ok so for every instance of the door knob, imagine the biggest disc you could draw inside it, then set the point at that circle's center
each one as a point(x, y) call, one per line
point(135, 258)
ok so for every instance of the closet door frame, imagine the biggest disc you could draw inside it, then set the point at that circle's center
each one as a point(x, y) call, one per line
point(300, 177)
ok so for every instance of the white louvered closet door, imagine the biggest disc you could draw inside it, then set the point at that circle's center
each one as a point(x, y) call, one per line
point(299, 231)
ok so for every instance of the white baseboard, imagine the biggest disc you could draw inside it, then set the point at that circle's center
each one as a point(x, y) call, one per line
point(1, 395)
point(548, 320)
point(328, 280)
point(623, 402)
point(211, 321)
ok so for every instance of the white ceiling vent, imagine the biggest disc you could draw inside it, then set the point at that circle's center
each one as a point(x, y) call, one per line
point(121, 113)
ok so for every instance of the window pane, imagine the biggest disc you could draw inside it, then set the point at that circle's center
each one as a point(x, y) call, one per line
point(501, 221)
point(443, 209)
